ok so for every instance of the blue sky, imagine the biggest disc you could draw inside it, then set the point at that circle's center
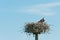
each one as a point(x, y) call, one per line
point(15, 13)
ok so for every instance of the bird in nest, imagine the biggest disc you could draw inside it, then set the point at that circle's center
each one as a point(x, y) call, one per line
point(42, 20)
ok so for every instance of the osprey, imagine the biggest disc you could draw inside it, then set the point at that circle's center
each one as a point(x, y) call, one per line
point(42, 20)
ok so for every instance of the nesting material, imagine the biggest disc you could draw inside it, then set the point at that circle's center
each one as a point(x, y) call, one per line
point(38, 27)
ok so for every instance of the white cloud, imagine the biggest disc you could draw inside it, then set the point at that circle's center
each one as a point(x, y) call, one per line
point(42, 9)
point(48, 4)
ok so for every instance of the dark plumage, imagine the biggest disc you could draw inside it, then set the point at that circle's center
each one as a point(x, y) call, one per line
point(42, 20)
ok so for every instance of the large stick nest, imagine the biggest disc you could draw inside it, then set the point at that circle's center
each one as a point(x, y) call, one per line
point(38, 27)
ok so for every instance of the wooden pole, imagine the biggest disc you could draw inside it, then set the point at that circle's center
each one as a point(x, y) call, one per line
point(36, 36)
